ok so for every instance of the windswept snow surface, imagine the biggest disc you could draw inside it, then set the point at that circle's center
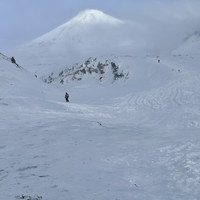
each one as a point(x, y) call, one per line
point(137, 139)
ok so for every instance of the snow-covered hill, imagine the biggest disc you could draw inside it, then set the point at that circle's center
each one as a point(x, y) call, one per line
point(90, 33)
point(190, 45)
point(134, 138)
point(12, 73)
point(20, 87)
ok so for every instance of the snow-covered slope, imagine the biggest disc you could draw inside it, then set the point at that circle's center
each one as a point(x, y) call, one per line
point(135, 138)
point(12, 73)
point(190, 45)
point(19, 86)
point(90, 33)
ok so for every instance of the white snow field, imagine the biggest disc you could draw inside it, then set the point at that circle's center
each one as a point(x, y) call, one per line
point(129, 139)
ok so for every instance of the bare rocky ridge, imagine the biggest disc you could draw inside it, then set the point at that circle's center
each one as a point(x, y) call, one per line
point(92, 67)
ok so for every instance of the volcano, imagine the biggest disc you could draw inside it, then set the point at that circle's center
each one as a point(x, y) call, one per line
point(90, 33)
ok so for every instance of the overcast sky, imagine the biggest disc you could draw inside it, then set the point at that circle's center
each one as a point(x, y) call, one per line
point(24, 20)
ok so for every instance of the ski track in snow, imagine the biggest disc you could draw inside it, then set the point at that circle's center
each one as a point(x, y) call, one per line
point(144, 145)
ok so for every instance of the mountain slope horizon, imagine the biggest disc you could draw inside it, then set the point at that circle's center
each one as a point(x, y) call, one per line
point(87, 17)
point(190, 45)
point(90, 33)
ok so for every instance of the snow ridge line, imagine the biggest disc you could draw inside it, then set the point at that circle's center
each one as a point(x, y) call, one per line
point(12, 60)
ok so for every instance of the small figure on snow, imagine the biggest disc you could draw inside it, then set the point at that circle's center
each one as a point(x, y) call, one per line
point(67, 97)
point(13, 60)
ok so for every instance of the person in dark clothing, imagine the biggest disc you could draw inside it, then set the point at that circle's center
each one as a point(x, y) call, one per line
point(67, 97)
point(13, 60)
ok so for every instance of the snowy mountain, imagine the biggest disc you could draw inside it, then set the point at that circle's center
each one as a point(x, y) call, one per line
point(130, 130)
point(90, 33)
point(190, 45)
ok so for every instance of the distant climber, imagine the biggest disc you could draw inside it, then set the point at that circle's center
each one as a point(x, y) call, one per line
point(158, 60)
point(67, 97)
point(13, 60)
